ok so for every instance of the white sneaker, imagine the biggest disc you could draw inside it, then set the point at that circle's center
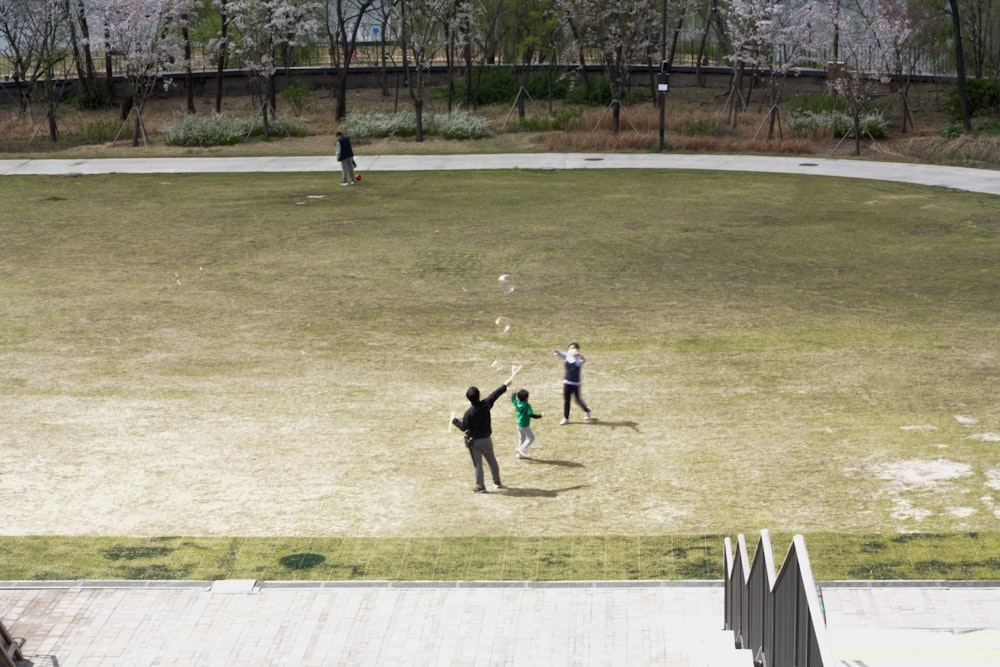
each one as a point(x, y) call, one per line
point(522, 454)
point(587, 416)
point(345, 183)
point(564, 422)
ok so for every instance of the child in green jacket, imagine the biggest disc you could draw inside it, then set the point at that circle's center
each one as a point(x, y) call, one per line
point(524, 416)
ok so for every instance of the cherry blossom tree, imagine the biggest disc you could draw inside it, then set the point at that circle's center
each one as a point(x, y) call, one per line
point(422, 38)
point(625, 32)
point(143, 34)
point(261, 27)
point(772, 36)
point(872, 36)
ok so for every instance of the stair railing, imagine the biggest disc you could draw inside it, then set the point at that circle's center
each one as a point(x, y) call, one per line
point(777, 616)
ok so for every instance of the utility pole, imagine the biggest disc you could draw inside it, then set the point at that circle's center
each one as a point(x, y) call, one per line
point(663, 80)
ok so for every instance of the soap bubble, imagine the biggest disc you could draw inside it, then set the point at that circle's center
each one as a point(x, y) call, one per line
point(503, 325)
point(497, 365)
point(507, 283)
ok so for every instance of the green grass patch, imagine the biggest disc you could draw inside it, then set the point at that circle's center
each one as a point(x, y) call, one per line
point(954, 556)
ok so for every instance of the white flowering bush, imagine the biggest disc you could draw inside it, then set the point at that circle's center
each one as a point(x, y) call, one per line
point(198, 130)
point(839, 122)
point(279, 126)
point(377, 124)
point(218, 130)
point(454, 125)
point(460, 125)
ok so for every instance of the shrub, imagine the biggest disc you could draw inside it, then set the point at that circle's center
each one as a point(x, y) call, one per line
point(197, 130)
point(101, 131)
point(459, 125)
point(638, 95)
point(378, 124)
point(557, 121)
point(993, 127)
point(983, 96)
point(952, 131)
point(538, 85)
point(491, 85)
point(298, 96)
point(95, 96)
point(595, 90)
point(292, 127)
point(840, 123)
point(816, 103)
point(454, 125)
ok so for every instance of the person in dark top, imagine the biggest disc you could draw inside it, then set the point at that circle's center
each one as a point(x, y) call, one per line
point(573, 361)
point(478, 427)
point(345, 156)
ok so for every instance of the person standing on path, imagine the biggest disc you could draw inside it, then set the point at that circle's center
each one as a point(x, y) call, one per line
point(478, 427)
point(345, 156)
point(573, 361)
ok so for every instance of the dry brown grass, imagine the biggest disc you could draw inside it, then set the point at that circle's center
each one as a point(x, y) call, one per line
point(967, 149)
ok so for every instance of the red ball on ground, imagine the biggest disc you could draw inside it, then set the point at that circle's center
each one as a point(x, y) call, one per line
point(357, 177)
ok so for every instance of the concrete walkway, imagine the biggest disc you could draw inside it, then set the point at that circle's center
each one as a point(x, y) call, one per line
point(237, 623)
point(972, 180)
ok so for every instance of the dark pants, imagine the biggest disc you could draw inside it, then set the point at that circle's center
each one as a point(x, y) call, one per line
point(482, 448)
point(571, 391)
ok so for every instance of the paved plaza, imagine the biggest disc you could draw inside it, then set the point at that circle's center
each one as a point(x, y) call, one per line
point(242, 623)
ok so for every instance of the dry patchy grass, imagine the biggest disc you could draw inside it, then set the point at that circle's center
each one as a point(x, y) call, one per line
point(226, 355)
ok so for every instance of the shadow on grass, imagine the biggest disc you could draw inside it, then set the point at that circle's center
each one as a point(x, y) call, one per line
point(620, 424)
point(302, 561)
point(123, 552)
point(554, 462)
point(540, 493)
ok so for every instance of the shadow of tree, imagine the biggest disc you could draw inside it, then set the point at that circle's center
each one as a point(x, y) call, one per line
point(124, 552)
point(302, 561)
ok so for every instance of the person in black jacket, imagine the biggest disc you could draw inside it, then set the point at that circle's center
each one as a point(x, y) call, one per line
point(345, 156)
point(478, 427)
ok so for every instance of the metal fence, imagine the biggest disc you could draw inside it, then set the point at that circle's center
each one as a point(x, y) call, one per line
point(777, 616)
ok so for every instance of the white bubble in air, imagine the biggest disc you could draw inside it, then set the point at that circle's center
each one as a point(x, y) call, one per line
point(503, 325)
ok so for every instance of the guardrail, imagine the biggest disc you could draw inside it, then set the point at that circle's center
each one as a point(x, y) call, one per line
point(777, 616)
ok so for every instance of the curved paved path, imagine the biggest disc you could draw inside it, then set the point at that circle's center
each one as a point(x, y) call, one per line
point(957, 178)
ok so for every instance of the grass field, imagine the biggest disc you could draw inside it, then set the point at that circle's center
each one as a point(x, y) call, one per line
point(268, 363)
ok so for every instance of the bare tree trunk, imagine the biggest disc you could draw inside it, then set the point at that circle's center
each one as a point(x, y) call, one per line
point(109, 72)
point(88, 58)
point(963, 94)
point(53, 127)
point(220, 72)
point(188, 74)
point(857, 127)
